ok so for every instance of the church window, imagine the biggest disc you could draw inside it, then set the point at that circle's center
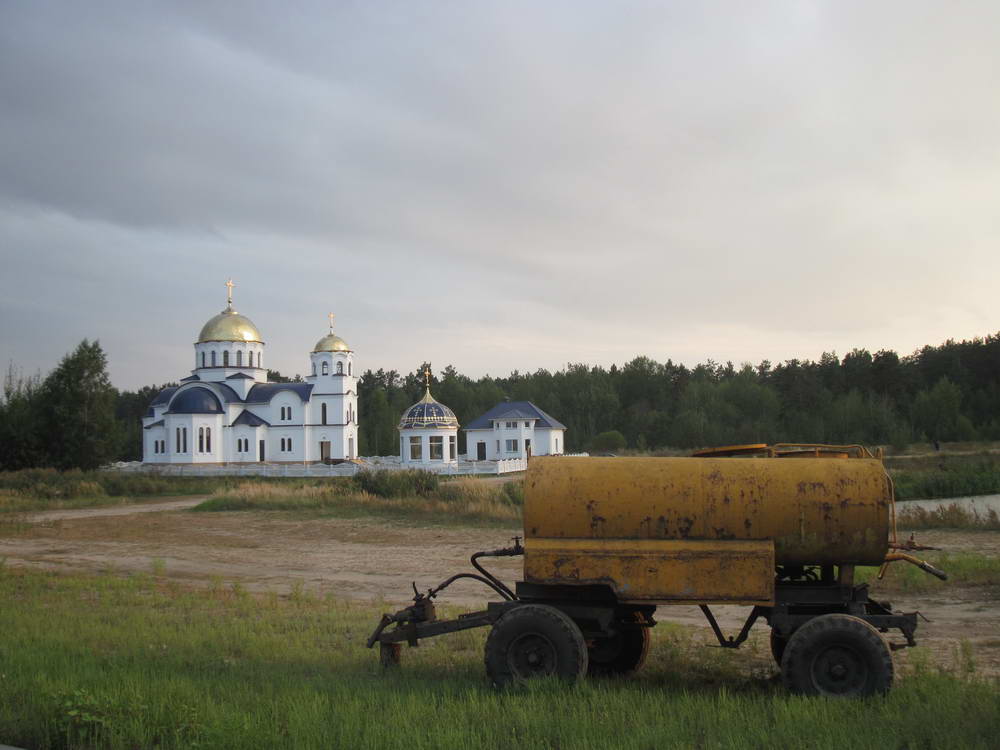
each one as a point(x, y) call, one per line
point(250, 355)
point(289, 444)
point(184, 436)
point(225, 358)
point(260, 359)
point(326, 368)
point(527, 424)
point(498, 446)
point(512, 446)
point(314, 368)
point(178, 436)
point(203, 359)
point(282, 444)
point(452, 447)
point(323, 413)
point(340, 368)
point(213, 359)
point(557, 445)
point(239, 359)
point(350, 368)
point(201, 439)
point(208, 440)
point(437, 447)
point(415, 452)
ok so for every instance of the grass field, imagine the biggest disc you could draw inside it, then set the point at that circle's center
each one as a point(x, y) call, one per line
point(115, 662)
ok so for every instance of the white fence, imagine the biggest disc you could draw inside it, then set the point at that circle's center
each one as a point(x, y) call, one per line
point(505, 466)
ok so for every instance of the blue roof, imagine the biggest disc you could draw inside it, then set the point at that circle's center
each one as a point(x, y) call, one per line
point(163, 396)
point(189, 378)
point(262, 393)
point(239, 376)
point(250, 419)
point(198, 400)
point(515, 410)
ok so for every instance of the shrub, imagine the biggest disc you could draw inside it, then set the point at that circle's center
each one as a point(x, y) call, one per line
point(404, 483)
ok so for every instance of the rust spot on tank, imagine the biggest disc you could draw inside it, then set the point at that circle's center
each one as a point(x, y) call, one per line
point(596, 525)
point(747, 523)
point(684, 527)
point(726, 499)
point(715, 476)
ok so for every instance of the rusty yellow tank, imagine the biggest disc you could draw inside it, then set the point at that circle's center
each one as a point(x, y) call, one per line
point(682, 530)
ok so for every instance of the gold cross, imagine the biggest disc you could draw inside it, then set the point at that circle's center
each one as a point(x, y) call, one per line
point(330, 316)
point(229, 290)
point(427, 377)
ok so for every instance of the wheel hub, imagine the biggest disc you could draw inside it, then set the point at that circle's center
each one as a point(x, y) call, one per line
point(532, 655)
point(839, 670)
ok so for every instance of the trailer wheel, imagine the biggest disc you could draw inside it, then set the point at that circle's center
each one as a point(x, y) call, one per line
point(621, 654)
point(837, 656)
point(535, 640)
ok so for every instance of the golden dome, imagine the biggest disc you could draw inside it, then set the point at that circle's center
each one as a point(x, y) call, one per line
point(229, 325)
point(331, 343)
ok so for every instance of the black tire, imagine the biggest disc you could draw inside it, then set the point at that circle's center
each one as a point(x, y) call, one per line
point(621, 654)
point(535, 640)
point(837, 656)
point(778, 644)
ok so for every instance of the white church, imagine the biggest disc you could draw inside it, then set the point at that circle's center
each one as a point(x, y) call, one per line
point(226, 411)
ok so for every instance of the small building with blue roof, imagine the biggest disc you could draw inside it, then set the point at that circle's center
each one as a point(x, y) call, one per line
point(514, 429)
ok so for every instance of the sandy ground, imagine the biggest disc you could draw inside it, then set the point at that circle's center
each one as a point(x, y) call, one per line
point(375, 559)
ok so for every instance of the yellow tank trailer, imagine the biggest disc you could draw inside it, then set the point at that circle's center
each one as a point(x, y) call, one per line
point(607, 540)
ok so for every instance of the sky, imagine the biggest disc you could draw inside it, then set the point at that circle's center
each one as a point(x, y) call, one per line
point(497, 185)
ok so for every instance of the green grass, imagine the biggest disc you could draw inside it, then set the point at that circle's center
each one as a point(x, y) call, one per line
point(457, 500)
point(934, 476)
point(963, 569)
point(138, 663)
point(44, 489)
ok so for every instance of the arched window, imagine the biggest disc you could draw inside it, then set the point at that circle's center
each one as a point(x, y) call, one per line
point(326, 368)
point(260, 359)
point(203, 359)
point(340, 368)
point(251, 359)
point(323, 412)
point(208, 440)
point(239, 359)
point(289, 444)
point(213, 359)
point(178, 442)
point(350, 368)
point(225, 358)
point(201, 439)
point(314, 368)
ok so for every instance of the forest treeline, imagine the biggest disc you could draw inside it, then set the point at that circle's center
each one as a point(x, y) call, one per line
point(75, 417)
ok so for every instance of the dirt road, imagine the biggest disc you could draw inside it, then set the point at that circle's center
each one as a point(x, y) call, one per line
point(375, 559)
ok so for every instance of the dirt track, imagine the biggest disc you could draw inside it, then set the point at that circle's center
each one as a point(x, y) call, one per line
point(374, 559)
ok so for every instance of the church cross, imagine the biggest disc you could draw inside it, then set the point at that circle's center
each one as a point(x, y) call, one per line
point(229, 291)
point(427, 378)
point(330, 316)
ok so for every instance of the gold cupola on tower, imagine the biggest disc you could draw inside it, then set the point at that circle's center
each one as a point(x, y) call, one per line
point(331, 342)
point(229, 325)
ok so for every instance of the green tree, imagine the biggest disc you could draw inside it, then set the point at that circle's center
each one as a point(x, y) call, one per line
point(936, 412)
point(20, 437)
point(77, 408)
point(610, 440)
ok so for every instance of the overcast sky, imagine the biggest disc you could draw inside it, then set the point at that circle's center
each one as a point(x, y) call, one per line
point(497, 185)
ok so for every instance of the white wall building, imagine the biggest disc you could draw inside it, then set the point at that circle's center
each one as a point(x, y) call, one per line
point(226, 411)
point(428, 433)
point(512, 429)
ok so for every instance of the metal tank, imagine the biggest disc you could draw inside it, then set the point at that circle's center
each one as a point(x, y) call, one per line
point(662, 530)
